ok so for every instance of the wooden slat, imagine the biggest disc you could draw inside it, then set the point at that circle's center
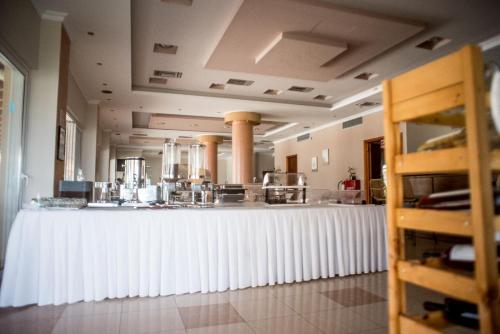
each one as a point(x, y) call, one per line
point(392, 143)
point(453, 160)
point(496, 221)
point(439, 74)
point(480, 184)
point(410, 325)
point(447, 222)
point(428, 104)
point(445, 281)
point(495, 160)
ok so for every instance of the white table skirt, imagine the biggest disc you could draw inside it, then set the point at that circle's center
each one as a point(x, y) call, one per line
point(56, 257)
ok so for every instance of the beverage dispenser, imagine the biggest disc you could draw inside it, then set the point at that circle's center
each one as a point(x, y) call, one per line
point(170, 169)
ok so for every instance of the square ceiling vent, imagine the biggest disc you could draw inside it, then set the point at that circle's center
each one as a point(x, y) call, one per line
point(217, 86)
point(433, 43)
point(240, 82)
point(300, 89)
point(167, 74)
point(273, 92)
point(179, 2)
point(165, 48)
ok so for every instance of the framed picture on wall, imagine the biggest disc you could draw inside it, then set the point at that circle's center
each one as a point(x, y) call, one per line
point(325, 156)
point(314, 164)
point(61, 143)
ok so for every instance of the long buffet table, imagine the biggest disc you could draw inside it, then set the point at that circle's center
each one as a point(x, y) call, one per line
point(65, 256)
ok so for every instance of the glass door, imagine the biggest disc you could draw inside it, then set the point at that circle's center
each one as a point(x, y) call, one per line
point(11, 135)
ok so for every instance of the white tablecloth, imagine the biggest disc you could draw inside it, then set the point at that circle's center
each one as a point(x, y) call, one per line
point(56, 257)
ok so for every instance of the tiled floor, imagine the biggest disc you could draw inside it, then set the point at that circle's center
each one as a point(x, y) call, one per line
point(356, 304)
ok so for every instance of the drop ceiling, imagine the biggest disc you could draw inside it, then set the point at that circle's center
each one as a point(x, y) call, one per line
point(125, 33)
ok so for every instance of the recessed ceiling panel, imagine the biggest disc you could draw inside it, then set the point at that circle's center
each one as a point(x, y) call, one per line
point(197, 124)
point(305, 39)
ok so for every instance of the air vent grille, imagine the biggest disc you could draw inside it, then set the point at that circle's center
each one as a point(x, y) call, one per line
point(273, 92)
point(159, 81)
point(217, 86)
point(433, 43)
point(167, 74)
point(179, 2)
point(366, 76)
point(165, 48)
point(352, 122)
point(300, 89)
point(367, 104)
point(240, 82)
point(322, 97)
point(303, 137)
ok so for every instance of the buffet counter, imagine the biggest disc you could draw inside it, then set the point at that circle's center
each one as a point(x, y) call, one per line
point(65, 256)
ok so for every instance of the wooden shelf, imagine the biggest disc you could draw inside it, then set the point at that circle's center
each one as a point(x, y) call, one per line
point(451, 160)
point(434, 323)
point(445, 281)
point(448, 91)
point(450, 222)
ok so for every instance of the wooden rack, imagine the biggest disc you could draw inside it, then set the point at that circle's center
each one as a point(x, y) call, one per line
point(432, 94)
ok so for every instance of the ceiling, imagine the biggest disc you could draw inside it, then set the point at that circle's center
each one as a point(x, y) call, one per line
point(119, 55)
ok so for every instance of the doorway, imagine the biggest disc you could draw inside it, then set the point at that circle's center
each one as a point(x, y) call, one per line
point(374, 162)
point(291, 163)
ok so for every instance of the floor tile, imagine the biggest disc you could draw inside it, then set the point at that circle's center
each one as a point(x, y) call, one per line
point(340, 321)
point(377, 312)
point(42, 326)
point(30, 313)
point(147, 303)
point(93, 308)
point(284, 325)
point(99, 323)
point(309, 303)
point(195, 299)
point(151, 321)
point(240, 328)
point(262, 309)
point(353, 296)
point(209, 315)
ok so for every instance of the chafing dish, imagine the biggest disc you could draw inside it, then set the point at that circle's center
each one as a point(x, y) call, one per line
point(285, 188)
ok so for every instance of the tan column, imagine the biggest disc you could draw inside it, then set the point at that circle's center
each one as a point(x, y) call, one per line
point(211, 143)
point(242, 149)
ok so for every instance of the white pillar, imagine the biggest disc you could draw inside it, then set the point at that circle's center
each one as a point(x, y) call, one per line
point(42, 113)
point(89, 142)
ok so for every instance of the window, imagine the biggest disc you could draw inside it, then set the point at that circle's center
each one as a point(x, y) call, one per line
point(11, 144)
point(72, 161)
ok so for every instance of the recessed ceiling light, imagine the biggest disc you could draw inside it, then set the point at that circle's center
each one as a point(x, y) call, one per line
point(106, 91)
point(108, 99)
point(240, 82)
point(157, 81)
point(165, 48)
point(99, 63)
point(307, 127)
point(300, 89)
point(322, 97)
point(140, 107)
point(117, 134)
point(104, 84)
point(114, 119)
point(433, 43)
point(167, 74)
point(90, 33)
point(217, 86)
point(273, 92)
point(366, 76)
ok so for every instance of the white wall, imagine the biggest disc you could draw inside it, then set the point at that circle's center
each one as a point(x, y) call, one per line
point(263, 161)
point(346, 150)
point(89, 142)
point(77, 104)
point(103, 156)
point(417, 134)
point(42, 114)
